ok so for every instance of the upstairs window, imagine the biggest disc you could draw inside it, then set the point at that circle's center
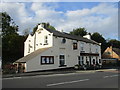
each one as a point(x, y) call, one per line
point(82, 46)
point(90, 48)
point(29, 48)
point(96, 49)
point(74, 46)
point(46, 40)
point(63, 40)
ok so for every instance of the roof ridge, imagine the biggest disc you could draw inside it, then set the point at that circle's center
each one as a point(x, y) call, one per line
point(70, 36)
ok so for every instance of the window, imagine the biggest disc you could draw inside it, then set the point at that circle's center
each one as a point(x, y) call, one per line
point(63, 40)
point(90, 47)
point(62, 60)
point(81, 60)
point(93, 61)
point(96, 49)
point(47, 59)
point(99, 60)
point(87, 62)
point(74, 46)
point(82, 46)
point(109, 53)
point(90, 59)
point(29, 48)
point(46, 40)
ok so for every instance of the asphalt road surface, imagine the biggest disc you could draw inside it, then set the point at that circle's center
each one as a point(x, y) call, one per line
point(107, 79)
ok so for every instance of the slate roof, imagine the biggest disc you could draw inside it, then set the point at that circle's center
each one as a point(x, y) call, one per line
point(69, 36)
point(117, 51)
point(31, 55)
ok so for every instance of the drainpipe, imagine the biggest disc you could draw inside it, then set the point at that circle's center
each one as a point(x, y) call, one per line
point(35, 42)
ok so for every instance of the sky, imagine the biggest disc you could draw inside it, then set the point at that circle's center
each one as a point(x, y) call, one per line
point(99, 17)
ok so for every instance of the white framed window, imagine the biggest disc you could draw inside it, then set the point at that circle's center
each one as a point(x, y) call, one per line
point(29, 48)
point(75, 46)
point(90, 47)
point(46, 40)
point(82, 46)
point(96, 50)
point(62, 60)
point(81, 60)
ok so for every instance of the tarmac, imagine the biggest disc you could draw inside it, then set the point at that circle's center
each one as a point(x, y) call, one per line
point(51, 72)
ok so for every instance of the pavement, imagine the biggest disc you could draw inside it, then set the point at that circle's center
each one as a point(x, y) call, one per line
point(63, 71)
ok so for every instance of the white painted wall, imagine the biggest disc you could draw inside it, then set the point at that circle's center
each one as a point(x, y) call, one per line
point(37, 40)
point(40, 39)
point(56, 48)
point(35, 63)
point(29, 41)
point(71, 56)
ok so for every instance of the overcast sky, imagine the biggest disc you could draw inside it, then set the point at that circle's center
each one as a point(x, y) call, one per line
point(94, 16)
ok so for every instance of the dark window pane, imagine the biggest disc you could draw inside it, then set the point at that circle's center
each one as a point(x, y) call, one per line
point(74, 46)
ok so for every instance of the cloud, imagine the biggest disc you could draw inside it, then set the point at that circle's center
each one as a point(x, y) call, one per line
point(102, 18)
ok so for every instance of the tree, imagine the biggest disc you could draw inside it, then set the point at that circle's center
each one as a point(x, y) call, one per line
point(8, 25)
point(100, 39)
point(12, 42)
point(79, 32)
point(46, 25)
point(113, 42)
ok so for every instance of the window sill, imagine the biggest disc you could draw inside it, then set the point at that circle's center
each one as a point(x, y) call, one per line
point(62, 65)
point(46, 44)
point(46, 63)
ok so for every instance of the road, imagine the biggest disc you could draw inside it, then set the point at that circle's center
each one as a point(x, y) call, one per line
point(107, 79)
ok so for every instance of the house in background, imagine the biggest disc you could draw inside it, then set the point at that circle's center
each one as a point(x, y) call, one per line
point(50, 49)
point(111, 55)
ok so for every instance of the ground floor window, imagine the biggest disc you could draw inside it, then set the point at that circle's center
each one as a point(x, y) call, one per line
point(93, 61)
point(81, 60)
point(62, 60)
point(100, 61)
point(97, 61)
point(90, 59)
point(87, 62)
point(47, 59)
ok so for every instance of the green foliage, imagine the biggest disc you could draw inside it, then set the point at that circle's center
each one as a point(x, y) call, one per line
point(12, 42)
point(46, 25)
point(100, 39)
point(113, 42)
point(79, 32)
point(8, 25)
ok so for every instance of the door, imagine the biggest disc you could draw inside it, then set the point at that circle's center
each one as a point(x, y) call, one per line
point(90, 59)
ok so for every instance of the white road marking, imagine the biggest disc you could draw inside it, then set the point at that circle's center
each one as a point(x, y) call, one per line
point(66, 82)
point(110, 76)
point(11, 78)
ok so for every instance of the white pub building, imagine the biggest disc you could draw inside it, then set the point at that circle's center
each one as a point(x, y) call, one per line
point(50, 49)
